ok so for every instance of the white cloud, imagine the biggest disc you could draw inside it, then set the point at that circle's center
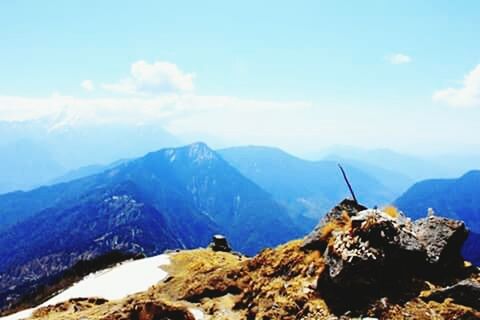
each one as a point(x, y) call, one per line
point(161, 94)
point(466, 96)
point(155, 78)
point(135, 109)
point(125, 86)
point(399, 58)
point(87, 85)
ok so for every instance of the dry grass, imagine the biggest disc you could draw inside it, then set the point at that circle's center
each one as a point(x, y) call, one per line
point(392, 211)
point(327, 234)
point(193, 273)
point(281, 282)
point(278, 283)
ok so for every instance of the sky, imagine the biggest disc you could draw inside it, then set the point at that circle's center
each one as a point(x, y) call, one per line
point(300, 75)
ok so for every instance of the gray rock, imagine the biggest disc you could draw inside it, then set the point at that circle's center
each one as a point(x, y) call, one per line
point(219, 243)
point(376, 245)
point(378, 249)
point(442, 240)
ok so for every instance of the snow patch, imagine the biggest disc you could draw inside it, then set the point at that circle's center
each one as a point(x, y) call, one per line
point(20, 315)
point(112, 284)
point(197, 314)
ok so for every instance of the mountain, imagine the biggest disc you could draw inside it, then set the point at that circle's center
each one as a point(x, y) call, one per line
point(84, 172)
point(458, 163)
point(81, 145)
point(412, 167)
point(172, 198)
point(307, 188)
point(471, 249)
point(26, 164)
point(395, 181)
point(455, 198)
point(32, 153)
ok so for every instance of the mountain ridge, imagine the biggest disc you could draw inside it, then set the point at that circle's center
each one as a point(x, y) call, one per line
point(186, 194)
point(307, 188)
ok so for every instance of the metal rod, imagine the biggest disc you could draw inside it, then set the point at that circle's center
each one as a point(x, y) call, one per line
point(348, 183)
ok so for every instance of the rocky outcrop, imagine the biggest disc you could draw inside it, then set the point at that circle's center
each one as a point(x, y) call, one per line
point(219, 243)
point(442, 240)
point(370, 252)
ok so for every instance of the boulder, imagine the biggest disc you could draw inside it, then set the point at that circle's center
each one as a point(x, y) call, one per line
point(219, 243)
point(370, 251)
point(442, 240)
point(376, 248)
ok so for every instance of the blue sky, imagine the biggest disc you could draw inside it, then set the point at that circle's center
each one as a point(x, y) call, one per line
point(300, 68)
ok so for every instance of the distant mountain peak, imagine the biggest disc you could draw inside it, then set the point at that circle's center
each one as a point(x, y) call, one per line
point(197, 152)
point(471, 174)
point(62, 121)
point(199, 147)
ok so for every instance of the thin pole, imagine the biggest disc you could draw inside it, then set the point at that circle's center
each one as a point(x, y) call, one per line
point(348, 183)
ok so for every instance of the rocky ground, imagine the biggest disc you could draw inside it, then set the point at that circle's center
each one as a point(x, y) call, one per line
point(357, 263)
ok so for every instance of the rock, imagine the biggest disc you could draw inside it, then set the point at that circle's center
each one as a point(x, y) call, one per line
point(466, 292)
point(219, 243)
point(370, 252)
point(315, 240)
point(442, 240)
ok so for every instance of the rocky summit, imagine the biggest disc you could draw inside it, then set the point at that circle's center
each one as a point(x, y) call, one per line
point(356, 263)
point(371, 253)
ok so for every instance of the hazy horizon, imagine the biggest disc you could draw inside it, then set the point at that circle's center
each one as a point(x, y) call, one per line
point(302, 77)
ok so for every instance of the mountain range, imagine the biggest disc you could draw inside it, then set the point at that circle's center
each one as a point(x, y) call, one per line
point(412, 167)
point(307, 188)
point(37, 152)
point(395, 181)
point(172, 198)
point(25, 164)
point(179, 197)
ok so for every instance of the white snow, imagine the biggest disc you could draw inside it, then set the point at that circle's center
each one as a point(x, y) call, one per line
point(20, 315)
point(112, 284)
point(197, 314)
